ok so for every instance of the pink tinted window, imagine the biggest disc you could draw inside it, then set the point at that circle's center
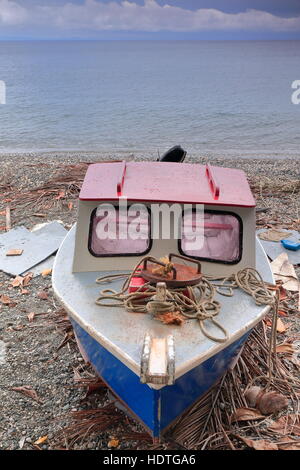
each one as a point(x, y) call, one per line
point(114, 232)
point(220, 236)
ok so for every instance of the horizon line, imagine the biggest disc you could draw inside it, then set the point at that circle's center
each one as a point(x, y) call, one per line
point(146, 40)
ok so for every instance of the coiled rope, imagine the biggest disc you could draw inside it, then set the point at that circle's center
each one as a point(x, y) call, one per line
point(200, 303)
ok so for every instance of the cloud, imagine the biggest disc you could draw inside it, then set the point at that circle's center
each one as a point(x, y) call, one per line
point(11, 13)
point(94, 15)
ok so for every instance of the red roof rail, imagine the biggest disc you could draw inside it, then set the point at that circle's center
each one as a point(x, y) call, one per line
point(213, 183)
point(145, 181)
point(121, 180)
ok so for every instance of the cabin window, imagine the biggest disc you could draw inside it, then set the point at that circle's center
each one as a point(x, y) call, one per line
point(221, 239)
point(114, 232)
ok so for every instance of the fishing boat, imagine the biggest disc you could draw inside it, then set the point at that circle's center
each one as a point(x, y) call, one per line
point(157, 371)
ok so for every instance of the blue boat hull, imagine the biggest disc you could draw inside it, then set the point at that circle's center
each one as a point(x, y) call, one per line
point(156, 409)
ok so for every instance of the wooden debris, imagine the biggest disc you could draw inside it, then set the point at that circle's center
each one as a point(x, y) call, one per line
point(14, 253)
point(8, 219)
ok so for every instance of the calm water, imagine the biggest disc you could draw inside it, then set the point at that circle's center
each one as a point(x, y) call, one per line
point(220, 98)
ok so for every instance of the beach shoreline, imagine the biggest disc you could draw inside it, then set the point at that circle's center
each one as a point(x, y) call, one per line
point(275, 182)
point(142, 154)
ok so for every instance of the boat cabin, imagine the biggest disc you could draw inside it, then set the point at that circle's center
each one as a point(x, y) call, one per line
point(128, 210)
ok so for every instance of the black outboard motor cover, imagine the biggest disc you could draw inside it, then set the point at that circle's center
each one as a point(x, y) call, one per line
point(175, 154)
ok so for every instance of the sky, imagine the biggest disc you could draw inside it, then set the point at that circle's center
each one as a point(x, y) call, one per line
point(150, 19)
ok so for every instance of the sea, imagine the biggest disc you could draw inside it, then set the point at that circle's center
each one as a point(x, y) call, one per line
point(219, 98)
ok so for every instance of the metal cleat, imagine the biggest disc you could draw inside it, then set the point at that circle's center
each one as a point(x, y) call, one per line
point(158, 360)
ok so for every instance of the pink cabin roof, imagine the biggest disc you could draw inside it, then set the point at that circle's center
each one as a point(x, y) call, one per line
point(166, 182)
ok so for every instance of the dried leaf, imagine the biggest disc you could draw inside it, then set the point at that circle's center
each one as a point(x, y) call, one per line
point(266, 402)
point(260, 444)
point(282, 313)
point(274, 235)
point(251, 395)
point(280, 327)
point(27, 279)
point(246, 414)
point(61, 195)
point(77, 376)
point(165, 259)
point(24, 292)
point(285, 272)
point(41, 440)
point(170, 318)
point(70, 205)
point(95, 387)
point(271, 402)
point(93, 384)
point(282, 293)
point(17, 281)
point(46, 272)
point(16, 328)
point(31, 316)
point(113, 443)
point(28, 391)
point(6, 300)
point(22, 442)
point(288, 424)
point(285, 348)
point(42, 295)
point(289, 444)
point(136, 436)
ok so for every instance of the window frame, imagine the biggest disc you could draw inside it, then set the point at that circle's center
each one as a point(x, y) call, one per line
point(114, 255)
point(211, 260)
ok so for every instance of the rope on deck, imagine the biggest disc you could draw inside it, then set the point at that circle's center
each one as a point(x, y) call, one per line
point(200, 303)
